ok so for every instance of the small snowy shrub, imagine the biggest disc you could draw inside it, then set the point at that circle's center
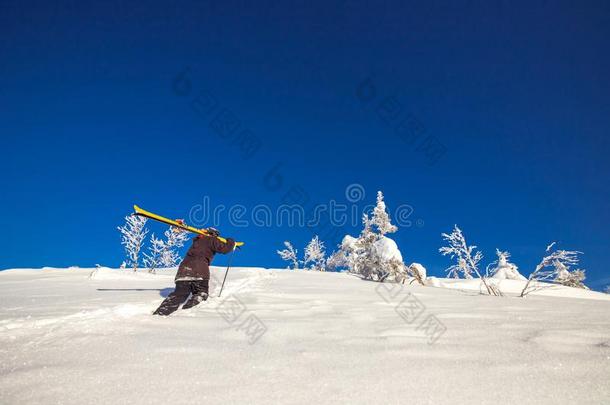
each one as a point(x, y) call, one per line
point(290, 255)
point(458, 249)
point(381, 219)
point(467, 263)
point(315, 255)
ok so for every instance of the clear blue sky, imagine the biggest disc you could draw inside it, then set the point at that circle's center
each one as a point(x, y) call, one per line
point(517, 95)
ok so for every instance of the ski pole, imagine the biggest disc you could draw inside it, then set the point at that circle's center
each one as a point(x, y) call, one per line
point(226, 272)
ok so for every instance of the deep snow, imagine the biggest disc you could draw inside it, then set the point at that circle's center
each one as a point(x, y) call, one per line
point(70, 338)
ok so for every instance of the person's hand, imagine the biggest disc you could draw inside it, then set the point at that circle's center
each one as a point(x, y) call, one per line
point(180, 221)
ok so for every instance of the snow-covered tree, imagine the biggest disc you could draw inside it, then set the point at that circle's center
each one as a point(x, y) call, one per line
point(133, 234)
point(458, 249)
point(381, 219)
point(337, 261)
point(573, 278)
point(549, 268)
point(175, 238)
point(467, 258)
point(164, 253)
point(347, 250)
point(315, 254)
point(607, 290)
point(372, 255)
point(152, 259)
point(290, 255)
point(502, 268)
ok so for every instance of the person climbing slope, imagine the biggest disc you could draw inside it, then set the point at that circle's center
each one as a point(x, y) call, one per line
point(193, 274)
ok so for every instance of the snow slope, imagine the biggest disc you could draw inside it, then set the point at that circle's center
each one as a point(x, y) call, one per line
point(66, 337)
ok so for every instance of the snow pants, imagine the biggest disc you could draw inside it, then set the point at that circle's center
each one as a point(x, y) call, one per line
point(197, 289)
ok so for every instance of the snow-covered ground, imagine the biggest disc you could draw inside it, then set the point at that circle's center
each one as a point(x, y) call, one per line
point(279, 336)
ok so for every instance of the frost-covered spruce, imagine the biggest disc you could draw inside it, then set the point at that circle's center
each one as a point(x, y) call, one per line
point(372, 255)
point(380, 218)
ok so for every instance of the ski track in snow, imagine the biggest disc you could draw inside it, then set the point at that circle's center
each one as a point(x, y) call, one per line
point(82, 336)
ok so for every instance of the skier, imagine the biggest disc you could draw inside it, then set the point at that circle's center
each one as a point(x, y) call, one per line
point(193, 275)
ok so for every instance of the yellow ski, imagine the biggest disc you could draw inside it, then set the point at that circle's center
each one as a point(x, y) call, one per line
point(143, 213)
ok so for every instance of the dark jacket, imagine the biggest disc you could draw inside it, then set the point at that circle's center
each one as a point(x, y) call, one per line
point(196, 263)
